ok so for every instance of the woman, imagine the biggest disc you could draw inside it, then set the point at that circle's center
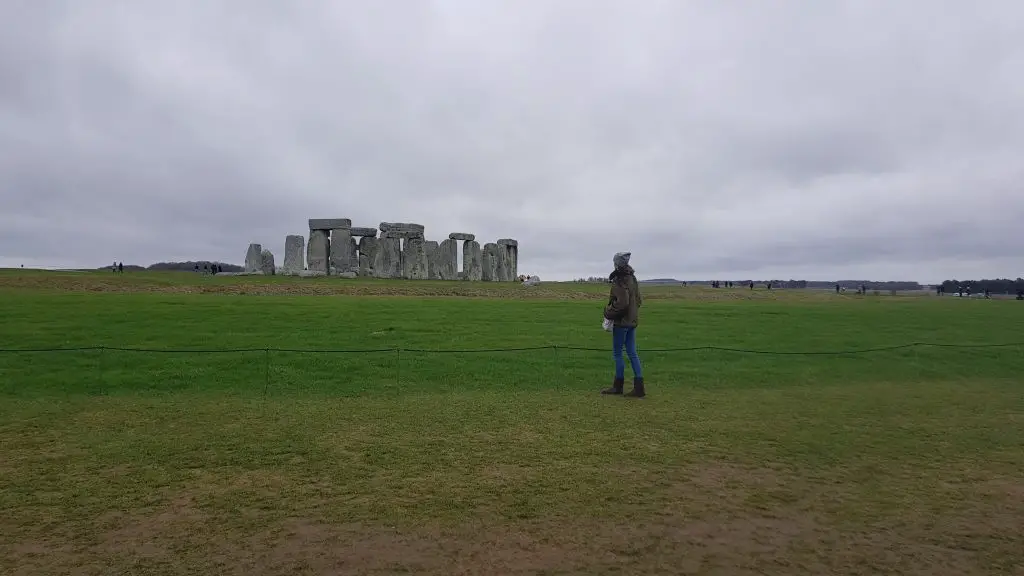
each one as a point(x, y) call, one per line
point(623, 310)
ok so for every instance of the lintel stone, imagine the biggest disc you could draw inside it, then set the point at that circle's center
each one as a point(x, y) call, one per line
point(330, 223)
point(402, 227)
point(360, 232)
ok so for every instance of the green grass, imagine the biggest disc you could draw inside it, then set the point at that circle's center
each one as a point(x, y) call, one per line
point(505, 462)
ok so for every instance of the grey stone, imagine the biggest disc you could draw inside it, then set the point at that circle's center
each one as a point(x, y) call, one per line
point(504, 264)
point(329, 223)
point(513, 255)
point(254, 258)
point(368, 246)
point(318, 251)
point(343, 252)
point(402, 227)
point(348, 275)
point(388, 261)
point(363, 232)
point(489, 263)
point(472, 264)
point(414, 260)
point(311, 274)
point(267, 263)
point(462, 236)
point(446, 260)
point(294, 254)
point(430, 247)
point(509, 249)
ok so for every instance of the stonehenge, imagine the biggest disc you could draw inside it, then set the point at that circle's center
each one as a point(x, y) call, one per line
point(401, 250)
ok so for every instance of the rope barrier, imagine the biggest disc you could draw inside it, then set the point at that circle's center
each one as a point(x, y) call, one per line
point(498, 350)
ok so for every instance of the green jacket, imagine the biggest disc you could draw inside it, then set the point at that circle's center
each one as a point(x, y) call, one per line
point(624, 301)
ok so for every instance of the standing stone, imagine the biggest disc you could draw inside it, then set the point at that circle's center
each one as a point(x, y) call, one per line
point(430, 247)
point(267, 263)
point(254, 258)
point(504, 265)
point(414, 260)
point(368, 246)
point(509, 254)
point(446, 259)
point(489, 263)
point(294, 257)
point(472, 263)
point(343, 252)
point(388, 263)
point(318, 251)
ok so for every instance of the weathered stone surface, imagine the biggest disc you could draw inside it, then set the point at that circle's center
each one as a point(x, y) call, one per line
point(348, 275)
point(489, 263)
point(267, 263)
point(462, 236)
point(311, 273)
point(329, 223)
point(318, 251)
point(294, 254)
point(402, 227)
point(509, 249)
point(414, 260)
point(472, 261)
point(343, 252)
point(363, 232)
point(388, 262)
point(368, 246)
point(430, 247)
point(446, 260)
point(504, 264)
point(513, 256)
point(254, 258)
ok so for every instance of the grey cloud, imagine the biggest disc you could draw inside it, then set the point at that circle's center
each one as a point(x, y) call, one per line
point(709, 139)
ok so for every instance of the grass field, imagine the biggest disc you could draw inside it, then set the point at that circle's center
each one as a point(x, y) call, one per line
point(415, 457)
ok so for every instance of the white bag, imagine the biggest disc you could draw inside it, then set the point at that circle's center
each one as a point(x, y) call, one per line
point(607, 325)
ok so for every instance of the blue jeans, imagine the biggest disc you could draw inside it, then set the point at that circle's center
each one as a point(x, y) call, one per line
point(625, 338)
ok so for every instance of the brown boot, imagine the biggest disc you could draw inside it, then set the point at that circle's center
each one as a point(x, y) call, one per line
point(638, 389)
point(616, 388)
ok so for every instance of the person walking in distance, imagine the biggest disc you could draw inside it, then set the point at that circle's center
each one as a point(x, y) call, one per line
point(623, 310)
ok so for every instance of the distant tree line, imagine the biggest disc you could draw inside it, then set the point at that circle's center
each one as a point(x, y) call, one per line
point(996, 286)
point(190, 266)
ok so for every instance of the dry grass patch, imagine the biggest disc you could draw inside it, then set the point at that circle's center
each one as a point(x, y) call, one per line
point(706, 525)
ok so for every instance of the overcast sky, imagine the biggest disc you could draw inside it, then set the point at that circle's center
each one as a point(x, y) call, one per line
point(713, 139)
